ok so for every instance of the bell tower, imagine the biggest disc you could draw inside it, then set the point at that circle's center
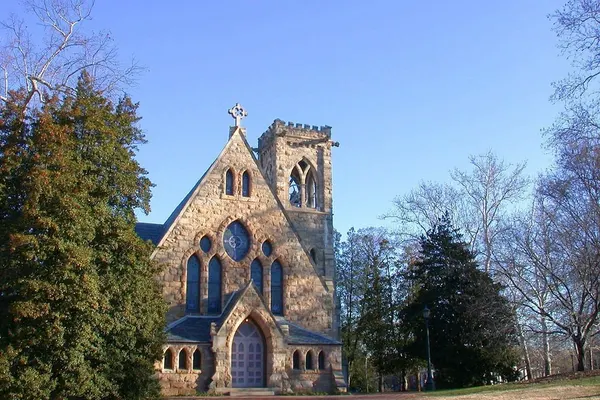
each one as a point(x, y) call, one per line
point(296, 159)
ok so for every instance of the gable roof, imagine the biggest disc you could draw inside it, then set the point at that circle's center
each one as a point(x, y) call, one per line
point(171, 222)
point(184, 204)
point(299, 335)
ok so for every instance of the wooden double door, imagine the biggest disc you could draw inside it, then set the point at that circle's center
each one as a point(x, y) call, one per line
point(248, 357)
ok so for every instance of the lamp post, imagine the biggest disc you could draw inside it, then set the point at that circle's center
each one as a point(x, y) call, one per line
point(430, 384)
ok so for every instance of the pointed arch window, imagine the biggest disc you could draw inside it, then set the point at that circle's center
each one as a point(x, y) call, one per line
point(246, 184)
point(295, 189)
point(303, 186)
point(192, 291)
point(197, 360)
point(229, 183)
point(276, 288)
point(214, 286)
point(256, 273)
point(182, 360)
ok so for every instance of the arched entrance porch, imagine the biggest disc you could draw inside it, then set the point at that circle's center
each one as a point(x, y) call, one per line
point(248, 357)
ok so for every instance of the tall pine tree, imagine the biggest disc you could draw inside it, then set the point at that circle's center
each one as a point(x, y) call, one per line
point(81, 313)
point(471, 323)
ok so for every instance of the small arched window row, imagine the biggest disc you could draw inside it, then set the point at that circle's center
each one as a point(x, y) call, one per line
point(182, 359)
point(303, 188)
point(309, 360)
point(231, 183)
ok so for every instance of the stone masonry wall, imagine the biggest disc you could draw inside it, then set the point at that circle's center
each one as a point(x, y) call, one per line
point(308, 301)
point(305, 379)
point(283, 146)
point(187, 381)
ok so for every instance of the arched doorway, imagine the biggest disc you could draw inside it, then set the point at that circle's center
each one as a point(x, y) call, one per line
point(248, 357)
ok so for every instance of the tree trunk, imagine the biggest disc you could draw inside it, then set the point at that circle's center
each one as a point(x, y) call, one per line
point(525, 349)
point(403, 382)
point(349, 373)
point(546, 343)
point(380, 383)
point(580, 353)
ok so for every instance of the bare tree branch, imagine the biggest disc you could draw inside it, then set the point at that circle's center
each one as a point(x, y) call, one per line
point(54, 63)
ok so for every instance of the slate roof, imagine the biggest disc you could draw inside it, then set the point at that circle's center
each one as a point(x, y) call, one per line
point(299, 335)
point(147, 231)
point(197, 330)
point(191, 329)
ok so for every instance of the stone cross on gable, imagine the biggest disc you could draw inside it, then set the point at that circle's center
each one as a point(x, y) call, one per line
point(237, 112)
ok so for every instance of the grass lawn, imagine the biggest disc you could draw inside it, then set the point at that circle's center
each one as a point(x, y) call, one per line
point(568, 388)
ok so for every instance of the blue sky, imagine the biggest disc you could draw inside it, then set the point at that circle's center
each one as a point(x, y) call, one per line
point(411, 88)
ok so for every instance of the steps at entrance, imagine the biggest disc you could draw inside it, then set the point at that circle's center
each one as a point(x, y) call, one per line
point(247, 392)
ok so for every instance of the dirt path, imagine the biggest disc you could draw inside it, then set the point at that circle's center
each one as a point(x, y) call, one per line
point(552, 393)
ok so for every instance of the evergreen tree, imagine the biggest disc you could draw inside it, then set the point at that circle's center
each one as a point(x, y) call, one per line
point(471, 323)
point(81, 313)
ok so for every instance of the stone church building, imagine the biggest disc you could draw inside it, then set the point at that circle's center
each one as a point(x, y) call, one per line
point(248, 269)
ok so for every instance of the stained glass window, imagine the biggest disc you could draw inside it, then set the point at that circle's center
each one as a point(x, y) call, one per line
point(205, 244)
point(236, 241)
point(267, 248)
point(246, 184)
point(276, 288)
point(192, 301)
point(229, 182)
point(214, 286)
point(256, 273)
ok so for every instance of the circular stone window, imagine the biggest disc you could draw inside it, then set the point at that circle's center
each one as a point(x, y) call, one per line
point(267, 248)
point(236, 241)
point(205, 244)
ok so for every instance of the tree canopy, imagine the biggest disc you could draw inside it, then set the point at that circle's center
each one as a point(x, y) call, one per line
point(471, 323)
point(81, 313)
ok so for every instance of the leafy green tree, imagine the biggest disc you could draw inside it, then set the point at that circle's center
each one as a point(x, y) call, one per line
point(471, 323)
point(81, 313)
point(371, 289)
